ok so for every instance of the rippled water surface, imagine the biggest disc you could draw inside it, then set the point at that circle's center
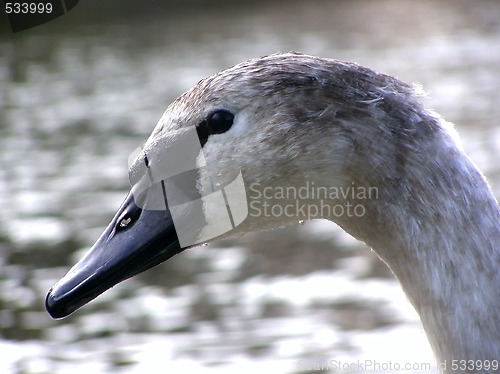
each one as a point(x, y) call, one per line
point(77, 95)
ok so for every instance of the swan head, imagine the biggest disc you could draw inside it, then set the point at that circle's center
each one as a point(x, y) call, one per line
point(266, 143)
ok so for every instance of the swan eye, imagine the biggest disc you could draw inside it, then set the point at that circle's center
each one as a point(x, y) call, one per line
point(216, 123)
point(219, 122)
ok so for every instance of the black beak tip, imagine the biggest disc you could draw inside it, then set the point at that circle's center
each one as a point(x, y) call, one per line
point(52, 307)
point(116, 256)
point(56, 310)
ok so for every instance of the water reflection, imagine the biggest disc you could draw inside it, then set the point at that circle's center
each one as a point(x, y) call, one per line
point(74, 104)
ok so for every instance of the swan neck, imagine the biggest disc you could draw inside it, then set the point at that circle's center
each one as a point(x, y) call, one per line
point(440, 240)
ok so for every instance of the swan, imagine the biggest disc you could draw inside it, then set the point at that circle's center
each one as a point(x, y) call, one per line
point(230, 156)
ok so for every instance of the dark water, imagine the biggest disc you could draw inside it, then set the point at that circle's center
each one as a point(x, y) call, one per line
point(79, 94)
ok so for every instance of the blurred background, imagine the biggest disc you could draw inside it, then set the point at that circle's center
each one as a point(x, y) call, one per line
point(79, 93)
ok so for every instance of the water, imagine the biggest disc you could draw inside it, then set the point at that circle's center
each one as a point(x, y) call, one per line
point(78, 95)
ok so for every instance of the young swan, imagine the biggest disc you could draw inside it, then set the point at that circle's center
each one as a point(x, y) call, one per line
point(289, 121)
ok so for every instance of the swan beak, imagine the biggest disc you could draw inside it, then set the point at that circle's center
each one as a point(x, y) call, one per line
point(122, 251)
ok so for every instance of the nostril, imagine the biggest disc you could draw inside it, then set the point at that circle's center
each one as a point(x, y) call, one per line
point(125, 222)
point(129, 215)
